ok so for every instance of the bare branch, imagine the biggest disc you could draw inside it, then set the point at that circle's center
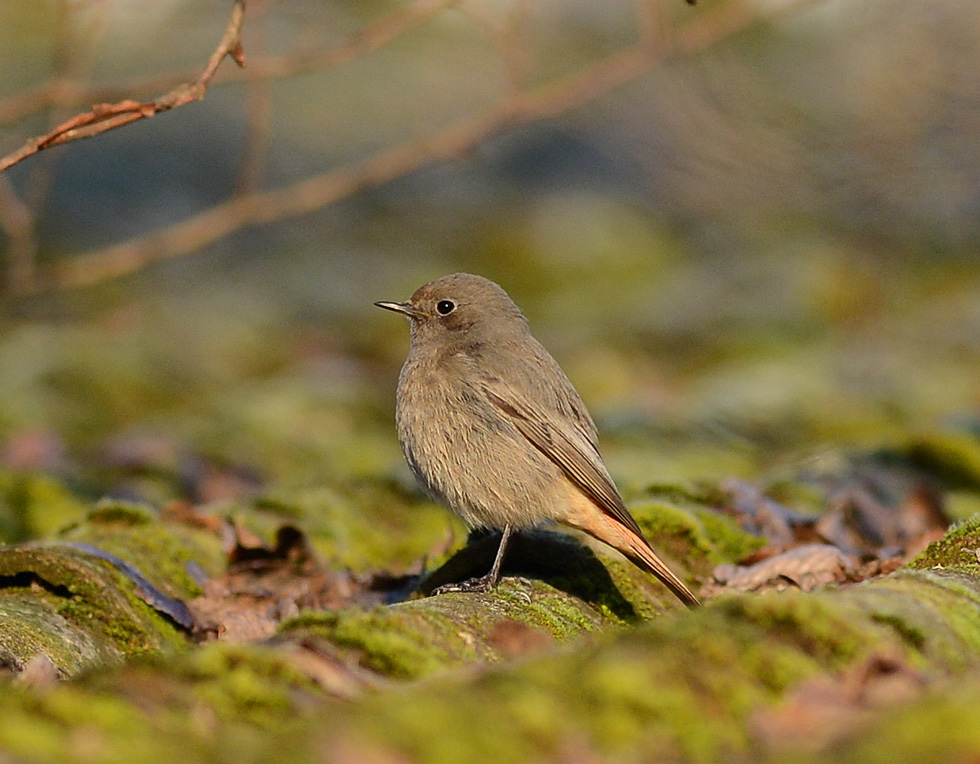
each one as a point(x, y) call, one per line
point(453, 141)
point(518, 104)
point(104, 117)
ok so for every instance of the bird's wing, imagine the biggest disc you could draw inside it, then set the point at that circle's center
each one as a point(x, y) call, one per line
point(567, 446)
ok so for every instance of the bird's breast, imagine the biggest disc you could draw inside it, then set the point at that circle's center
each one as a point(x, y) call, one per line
point(467, 453)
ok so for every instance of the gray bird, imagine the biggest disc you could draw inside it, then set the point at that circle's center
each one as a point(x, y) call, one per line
point(493, 429)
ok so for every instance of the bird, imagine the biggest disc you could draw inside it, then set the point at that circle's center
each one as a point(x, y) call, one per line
point(493, 429)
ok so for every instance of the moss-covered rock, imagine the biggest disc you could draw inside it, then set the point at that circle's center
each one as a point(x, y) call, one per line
point(223, 703)
point(437, 634)
point(32, 625)
point(941, 725)
point(583, 568)
point(694, 533)
point(90, 609)
point(173, 556)
point(958, 550)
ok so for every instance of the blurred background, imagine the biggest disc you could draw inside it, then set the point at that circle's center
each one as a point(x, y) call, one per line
point(752, 246)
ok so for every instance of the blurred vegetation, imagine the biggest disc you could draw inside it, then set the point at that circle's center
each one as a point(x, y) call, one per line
point(741, 258)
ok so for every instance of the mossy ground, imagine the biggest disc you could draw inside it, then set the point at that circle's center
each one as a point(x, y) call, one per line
point(681, 688)
point(422, 637)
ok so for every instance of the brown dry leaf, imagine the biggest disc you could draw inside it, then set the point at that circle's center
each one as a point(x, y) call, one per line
point(805, 567)
point(185, 513)
point(291, 545)
point(247, 626)
point(877, 515)
point(922, 518)
point(265, 584)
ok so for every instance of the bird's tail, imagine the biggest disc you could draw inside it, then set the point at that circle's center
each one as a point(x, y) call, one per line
point(639, 552)
point(636, 548)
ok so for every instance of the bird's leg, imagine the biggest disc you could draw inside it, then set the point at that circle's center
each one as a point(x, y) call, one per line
point(482, 583)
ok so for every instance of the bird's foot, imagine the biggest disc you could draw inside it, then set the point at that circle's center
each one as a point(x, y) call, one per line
point(481, 584)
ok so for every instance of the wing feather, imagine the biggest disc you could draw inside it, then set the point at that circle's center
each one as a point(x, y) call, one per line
point(568, 447)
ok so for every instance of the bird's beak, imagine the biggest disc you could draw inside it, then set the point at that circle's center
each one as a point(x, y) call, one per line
point(404, 308)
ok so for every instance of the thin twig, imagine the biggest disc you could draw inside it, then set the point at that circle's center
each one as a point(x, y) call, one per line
point(258, 111)
point(303, 61)
point(105, 116)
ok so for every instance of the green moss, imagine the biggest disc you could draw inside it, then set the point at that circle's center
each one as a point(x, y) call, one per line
point(910, 633)
point(32, 625)
point(686, 494)
point(958, 550)
point(120, 617)
point(674, 532)
point(223, 703)
point(162, 552)
point(383, 641)
point(422, 637)
point(682, 688)
point(729, 541)
point(548, 610)
point(677, 689)
point(598, 582)
point(827, 629)
point(250, 683)
point(93, 597)
point(34, 506)
point(116, 512)
point(47, 727)
point(686, 688)
point(698, 536)
point(361, 527)
point(646, 597)
point(935, 613)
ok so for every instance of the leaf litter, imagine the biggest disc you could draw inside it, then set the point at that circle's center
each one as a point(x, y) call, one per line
point(876, 518)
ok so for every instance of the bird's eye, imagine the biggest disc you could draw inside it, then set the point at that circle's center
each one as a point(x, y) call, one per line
point(445, 307)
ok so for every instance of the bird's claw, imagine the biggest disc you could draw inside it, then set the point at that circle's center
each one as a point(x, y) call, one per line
point(481, 584)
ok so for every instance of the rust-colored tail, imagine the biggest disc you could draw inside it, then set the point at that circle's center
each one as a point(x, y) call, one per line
point(608, 530)
point(641, 555)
